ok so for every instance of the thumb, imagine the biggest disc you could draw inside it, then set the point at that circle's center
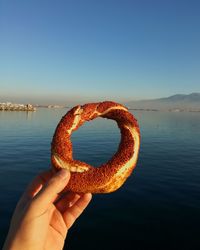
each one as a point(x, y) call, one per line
point(49, 192)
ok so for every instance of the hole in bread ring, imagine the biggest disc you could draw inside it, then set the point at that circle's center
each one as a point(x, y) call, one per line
point(109, 176)
point(96, 142)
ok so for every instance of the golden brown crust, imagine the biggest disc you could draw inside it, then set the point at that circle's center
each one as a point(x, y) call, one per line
point(109, 176)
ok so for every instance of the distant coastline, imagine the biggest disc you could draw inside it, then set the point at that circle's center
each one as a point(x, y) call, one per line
point(52, 106)
point(8, 106)
point(175, 103)
point(166, 110)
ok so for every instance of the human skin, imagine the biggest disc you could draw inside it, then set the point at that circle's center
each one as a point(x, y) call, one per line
point(44, 214)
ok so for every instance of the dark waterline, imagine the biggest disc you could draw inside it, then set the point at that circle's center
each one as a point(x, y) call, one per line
point(159, 205)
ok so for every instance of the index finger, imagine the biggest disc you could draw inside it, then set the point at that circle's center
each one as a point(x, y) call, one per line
point(73, 212)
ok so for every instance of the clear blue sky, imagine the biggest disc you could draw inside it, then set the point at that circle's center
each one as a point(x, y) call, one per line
point(99, 49)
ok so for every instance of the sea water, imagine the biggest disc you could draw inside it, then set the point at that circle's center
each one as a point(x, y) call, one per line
point(159, 205)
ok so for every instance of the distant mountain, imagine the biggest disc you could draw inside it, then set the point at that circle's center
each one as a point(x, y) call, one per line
point(179, 101)
point(194, 97)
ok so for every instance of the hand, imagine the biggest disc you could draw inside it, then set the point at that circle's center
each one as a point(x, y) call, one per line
point(43, 215)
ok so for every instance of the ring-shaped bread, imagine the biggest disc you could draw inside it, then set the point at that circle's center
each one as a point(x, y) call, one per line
point(109, 176)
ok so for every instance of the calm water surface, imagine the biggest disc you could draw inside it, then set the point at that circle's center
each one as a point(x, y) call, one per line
point(158, 206)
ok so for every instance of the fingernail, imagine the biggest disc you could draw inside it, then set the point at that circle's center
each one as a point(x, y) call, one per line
point(63, 173)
